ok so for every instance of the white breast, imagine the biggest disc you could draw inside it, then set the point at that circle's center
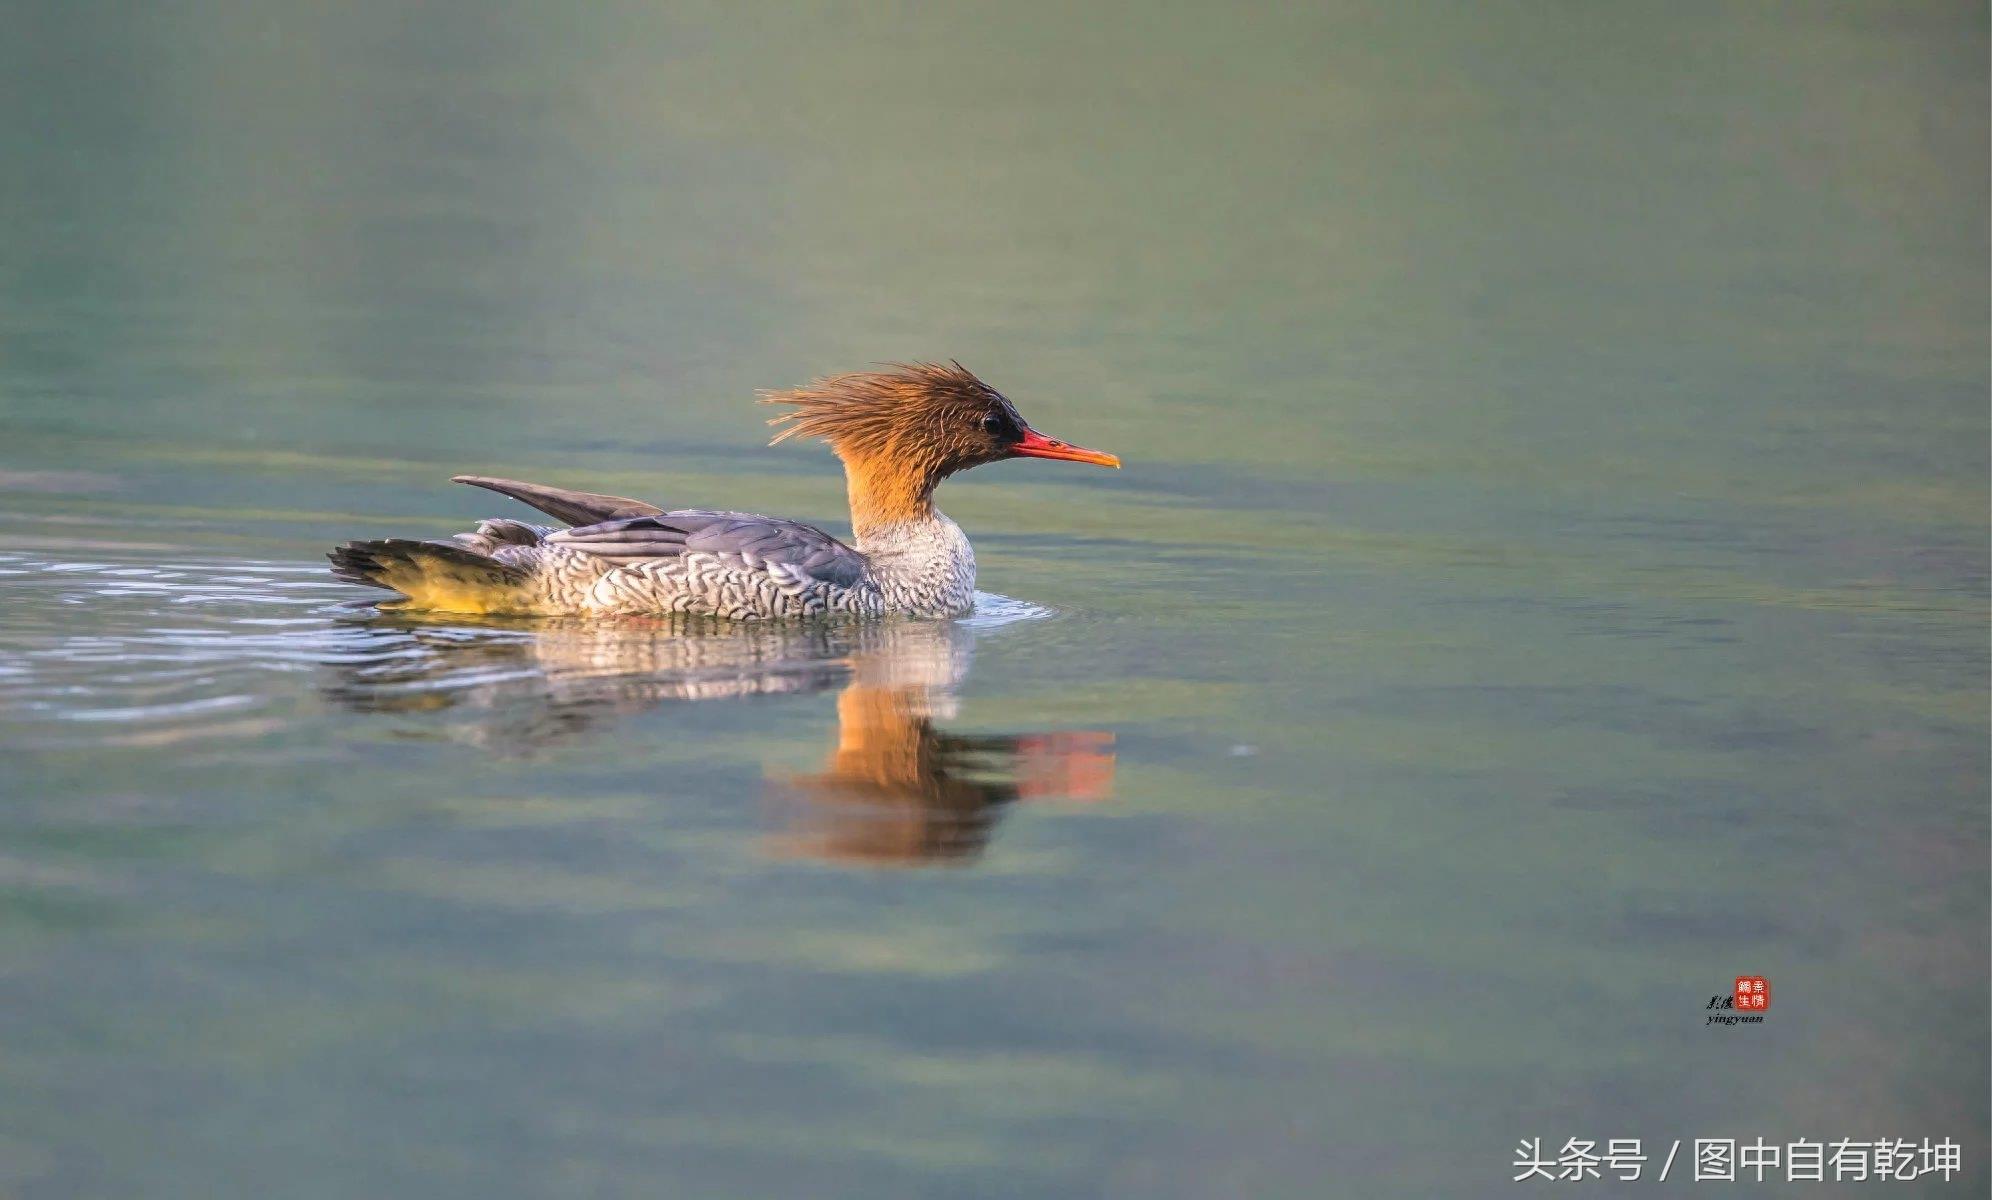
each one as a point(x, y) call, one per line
point(925, 568)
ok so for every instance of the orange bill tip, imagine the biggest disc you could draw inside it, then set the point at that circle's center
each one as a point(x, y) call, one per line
point(1036, 445)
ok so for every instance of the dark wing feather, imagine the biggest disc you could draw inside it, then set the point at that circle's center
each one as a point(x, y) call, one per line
point(755, 540)
point(575, 508)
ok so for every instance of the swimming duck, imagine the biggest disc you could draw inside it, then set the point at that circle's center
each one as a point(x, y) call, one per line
point(899, 431)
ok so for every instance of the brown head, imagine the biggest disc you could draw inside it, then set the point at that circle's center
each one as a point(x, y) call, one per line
point(902, 430)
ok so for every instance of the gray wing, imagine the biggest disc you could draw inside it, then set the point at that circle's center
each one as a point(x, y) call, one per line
point(575, 508)
point(756, 541)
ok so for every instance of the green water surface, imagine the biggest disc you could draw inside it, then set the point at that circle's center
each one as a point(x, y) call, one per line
point(1549, 580)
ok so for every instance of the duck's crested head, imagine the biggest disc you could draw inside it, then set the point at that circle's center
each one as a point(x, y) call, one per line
point(926, 419)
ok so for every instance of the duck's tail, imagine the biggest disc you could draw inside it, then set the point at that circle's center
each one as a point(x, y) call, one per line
point(435, 576)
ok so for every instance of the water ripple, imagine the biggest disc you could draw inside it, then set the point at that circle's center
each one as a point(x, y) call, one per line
point(140, 651)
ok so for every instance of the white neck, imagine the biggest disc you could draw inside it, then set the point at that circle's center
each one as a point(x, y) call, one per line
point(924, 566)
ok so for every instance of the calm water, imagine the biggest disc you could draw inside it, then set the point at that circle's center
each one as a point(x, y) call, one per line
point(1549, 581)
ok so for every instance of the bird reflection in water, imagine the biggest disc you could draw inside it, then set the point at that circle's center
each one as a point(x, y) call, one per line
point(896, 789)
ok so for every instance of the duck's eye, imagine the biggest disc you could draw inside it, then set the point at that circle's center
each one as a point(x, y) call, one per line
point(992, 425)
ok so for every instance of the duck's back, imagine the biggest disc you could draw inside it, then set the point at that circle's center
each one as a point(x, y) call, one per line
point(622, 557)
point(741, 566)
point(626, 557)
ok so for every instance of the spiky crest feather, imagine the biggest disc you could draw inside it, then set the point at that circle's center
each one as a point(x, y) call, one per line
point(900, 430)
